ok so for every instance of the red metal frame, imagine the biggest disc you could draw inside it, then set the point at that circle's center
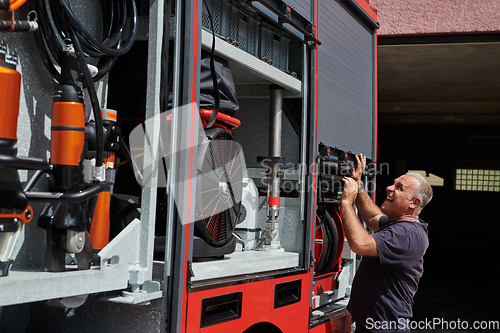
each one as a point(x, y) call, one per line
point(257, 306)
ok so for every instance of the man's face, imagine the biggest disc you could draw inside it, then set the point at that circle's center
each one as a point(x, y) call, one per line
point(399, 197)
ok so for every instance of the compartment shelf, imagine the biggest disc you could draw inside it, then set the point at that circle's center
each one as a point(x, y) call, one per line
point(248, 262)
point(247, 69)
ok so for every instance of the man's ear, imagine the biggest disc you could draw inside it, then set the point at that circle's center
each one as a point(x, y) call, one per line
point(415, 202)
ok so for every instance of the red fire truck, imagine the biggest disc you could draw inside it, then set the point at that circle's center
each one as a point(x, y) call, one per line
point(177, 165)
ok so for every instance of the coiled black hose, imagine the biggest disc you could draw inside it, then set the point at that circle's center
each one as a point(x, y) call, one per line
point(58, 22)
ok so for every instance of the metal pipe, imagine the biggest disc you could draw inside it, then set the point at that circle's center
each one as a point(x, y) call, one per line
point(273, 188)
point(68, 197)
point(275, 121)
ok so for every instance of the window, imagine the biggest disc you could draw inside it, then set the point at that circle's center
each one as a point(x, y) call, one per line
point(477, 180)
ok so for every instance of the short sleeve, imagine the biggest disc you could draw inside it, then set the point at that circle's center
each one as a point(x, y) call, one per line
point(382, 221)
point(392, 244)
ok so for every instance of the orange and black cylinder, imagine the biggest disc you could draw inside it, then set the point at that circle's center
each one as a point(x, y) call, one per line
point(68, 128)
point(67, 133)
point(10, 88)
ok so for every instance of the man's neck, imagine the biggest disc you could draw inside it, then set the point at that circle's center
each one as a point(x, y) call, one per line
point(405, 217)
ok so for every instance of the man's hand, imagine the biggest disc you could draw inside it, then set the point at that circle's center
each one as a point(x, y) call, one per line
point(350, 191)
point(357, 172)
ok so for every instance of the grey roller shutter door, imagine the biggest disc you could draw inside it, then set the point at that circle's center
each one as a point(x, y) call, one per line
point(346, 104)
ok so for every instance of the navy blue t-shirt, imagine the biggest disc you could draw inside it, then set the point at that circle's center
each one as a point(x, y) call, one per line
point(383, 288)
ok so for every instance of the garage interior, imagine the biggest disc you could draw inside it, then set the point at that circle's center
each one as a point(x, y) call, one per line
point(439, 111)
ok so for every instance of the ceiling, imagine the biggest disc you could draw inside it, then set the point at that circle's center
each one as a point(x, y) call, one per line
point(447, 83)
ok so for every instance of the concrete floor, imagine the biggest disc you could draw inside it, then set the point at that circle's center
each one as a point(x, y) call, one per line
point(468, 301)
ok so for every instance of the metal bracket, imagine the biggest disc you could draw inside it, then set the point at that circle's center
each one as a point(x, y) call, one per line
point(150, 290)
point(287, 12)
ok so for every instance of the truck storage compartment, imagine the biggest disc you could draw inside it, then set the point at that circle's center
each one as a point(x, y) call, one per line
point(254, 81)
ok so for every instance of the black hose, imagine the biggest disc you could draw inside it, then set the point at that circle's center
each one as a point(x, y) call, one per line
point(99, 46)
point(58, 22)
point(99, 159)
point(56, 19)
point(46, 41)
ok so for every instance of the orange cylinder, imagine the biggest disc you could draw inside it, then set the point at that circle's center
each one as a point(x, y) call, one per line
point(10, 89)
point(68, 133)
point(99, 230)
